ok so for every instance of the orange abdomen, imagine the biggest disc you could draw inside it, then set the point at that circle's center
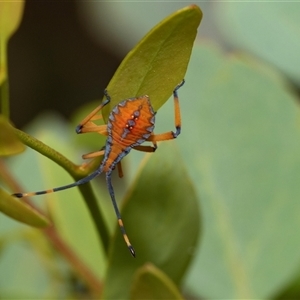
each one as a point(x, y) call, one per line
point(130, 123)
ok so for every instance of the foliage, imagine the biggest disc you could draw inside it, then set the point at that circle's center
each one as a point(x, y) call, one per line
point(237, 159)
point(86, 236)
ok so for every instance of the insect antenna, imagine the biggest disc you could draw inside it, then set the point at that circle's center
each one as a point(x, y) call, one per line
point(118, 214)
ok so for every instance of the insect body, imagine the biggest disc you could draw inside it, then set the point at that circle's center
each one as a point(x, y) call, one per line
point(130, 124)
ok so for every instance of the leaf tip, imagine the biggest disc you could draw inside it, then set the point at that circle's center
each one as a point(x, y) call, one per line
point(196, 8)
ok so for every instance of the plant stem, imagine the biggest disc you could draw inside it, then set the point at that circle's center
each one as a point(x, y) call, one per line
point(77, 172)
point(52, 154)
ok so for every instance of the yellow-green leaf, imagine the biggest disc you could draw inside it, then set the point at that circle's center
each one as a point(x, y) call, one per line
point(158, 62)
point(161, 217)
point(151, 283)
point(9, 143)
point(10, 17)
point(268, 29)
point(2, 75)
point(241, 144)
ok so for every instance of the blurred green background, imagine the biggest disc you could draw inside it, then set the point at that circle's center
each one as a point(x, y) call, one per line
point(240, 126)
point(64, 54)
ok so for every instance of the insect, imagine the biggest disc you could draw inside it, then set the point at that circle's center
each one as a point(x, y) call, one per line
point(130, 123)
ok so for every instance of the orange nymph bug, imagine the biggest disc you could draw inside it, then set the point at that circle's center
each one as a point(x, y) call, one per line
point(130, 123)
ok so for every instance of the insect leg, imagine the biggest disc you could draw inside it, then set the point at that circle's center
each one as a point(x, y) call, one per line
point(120, 221)
point(64, 187)
point(92, 127)
point(120, 170)
point(93, 113)
point(146, 148)
point(171, 134)
point(93, 154)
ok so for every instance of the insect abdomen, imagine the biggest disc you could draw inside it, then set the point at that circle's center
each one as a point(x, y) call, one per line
point(113, 154)
point(132, 121)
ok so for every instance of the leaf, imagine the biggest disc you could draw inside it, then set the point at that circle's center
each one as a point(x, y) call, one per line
point(162, 220)
point(241, 142)
point(10, 17)
point(9, 143)
point(3, 73)
point(158, 62)
point(20, 211)
point(268, 30)
point(292, 291)
point(151, 283)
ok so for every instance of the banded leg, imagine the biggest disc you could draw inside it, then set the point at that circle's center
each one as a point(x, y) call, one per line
point(171, 134)
point(92, 127)
point(93, 154)
point(92, 116)
point(61, 188)
point(118, 214)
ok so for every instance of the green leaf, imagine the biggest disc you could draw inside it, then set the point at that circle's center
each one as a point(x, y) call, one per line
point(151, 283)
point(158, 62)
point(3, 74)
point(292, 291)
point(20, 211)
point(268, 30)
point(241, 142)
point(161, 217)
point(10, 17)
point(9, 143)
